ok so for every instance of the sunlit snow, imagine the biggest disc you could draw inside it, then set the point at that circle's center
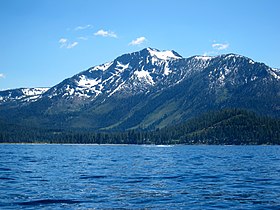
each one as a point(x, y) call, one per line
point(102, 67)
point(86, 82)
point(164, 55)
point(251, 61)
point(116, 89)
point(121, 67)
point(28, 94)
point(167, 71)
point(144, 75)
point(205, 58)
point(70, 91)
point(33, 91)
point(274, 74)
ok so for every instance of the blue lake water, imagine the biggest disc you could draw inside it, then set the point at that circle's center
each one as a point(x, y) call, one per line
point(139, 177)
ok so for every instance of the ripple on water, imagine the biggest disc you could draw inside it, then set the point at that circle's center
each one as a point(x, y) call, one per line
point(48, 201)
point(5, 169)
point(92, 177)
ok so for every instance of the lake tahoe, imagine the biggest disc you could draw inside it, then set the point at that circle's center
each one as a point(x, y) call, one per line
point(38, 176)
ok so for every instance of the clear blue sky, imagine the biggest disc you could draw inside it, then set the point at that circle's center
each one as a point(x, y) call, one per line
point(45, 41)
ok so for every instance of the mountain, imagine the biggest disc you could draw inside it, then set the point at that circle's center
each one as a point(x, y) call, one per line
point(148, 89)
point(21, 95)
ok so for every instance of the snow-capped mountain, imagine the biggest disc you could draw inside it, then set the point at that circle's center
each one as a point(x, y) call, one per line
point(21, 95)
point(148, 89)
point(128, 74)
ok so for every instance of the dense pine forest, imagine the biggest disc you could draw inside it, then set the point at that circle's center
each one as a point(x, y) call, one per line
point(230, 127)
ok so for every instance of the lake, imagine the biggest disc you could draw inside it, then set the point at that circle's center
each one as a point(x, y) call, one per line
point(139, 177)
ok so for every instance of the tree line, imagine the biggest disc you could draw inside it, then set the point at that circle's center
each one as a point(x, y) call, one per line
point(230, 126)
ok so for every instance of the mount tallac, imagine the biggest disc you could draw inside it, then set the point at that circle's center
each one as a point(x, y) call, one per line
point(146, 90)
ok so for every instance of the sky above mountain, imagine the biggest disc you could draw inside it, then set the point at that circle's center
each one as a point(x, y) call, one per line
point(43, 42)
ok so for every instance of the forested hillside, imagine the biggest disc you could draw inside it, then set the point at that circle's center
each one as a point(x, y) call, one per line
point(231, 127)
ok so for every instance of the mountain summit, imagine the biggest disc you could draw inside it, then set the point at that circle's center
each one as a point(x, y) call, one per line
point(128, 74)
point(147, 89)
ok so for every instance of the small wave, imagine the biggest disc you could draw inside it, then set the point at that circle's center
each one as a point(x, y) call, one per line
point(172, 177)
point(47, 201)
point(27, 172)
point(93, 177)
point(5, 169)
point(6, 178)
point(133, 181)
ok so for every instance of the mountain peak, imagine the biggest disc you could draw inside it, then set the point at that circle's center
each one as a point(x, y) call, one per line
point(231, 55)
point(164, 55)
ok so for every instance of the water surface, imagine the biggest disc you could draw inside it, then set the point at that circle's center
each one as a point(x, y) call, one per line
point(139, 177)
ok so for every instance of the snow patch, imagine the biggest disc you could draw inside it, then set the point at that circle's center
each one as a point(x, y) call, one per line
point(251, 61)
point(221, 78)
point(69, 91)
point(144, 75)
point(167, 71)
point(227, 71)
point(121, 67)
point(154, 60)
point(204, 58)
point(275, 73)
point(26, 95)
point(164, 55)
point(86, 82)
point(102, 67)
point(232, 56)
point(117, 88)
point(34, 91)
point(31, 98)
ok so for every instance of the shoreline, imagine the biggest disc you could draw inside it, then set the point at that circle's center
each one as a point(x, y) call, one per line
point(147, 145)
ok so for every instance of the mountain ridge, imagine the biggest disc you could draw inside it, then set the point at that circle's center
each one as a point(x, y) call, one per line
point(151, 89)
point(275, 71)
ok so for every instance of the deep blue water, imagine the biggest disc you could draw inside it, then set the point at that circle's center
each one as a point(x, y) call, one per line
point(139, 177)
